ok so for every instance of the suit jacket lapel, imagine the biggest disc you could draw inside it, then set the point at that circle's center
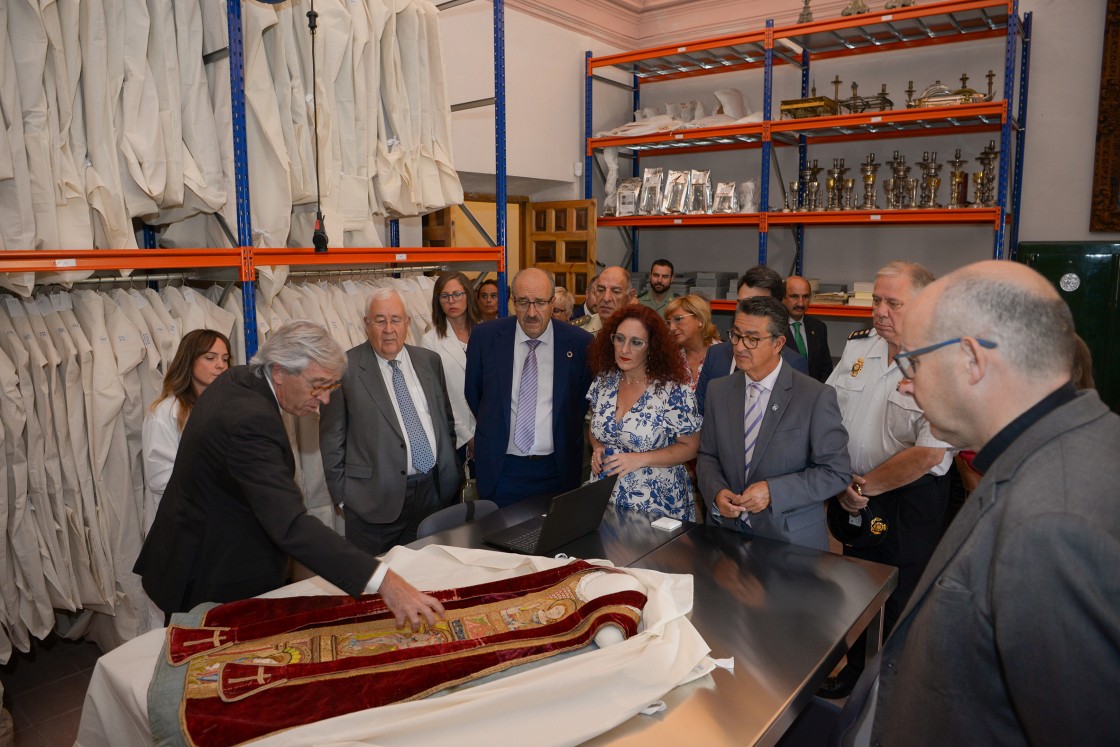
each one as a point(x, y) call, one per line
point(505, 339)
point(736, 431)
point(370, 376)
point(430, 386)
point(775, 410)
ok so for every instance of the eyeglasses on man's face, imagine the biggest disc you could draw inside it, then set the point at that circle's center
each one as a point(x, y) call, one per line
point(454, 296)
point(676, 319)
point(748, 341)
point(636, 343)
point(908, 360)
point(318, 388)
point(523, 304)
point(386, 321)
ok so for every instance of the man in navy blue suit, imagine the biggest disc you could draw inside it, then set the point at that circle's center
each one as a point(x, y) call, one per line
point(526, 382)
point(720, 360)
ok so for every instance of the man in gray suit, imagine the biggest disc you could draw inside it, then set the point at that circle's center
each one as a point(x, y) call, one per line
point(388, 437)
point(773, 447)
point(1010, 636)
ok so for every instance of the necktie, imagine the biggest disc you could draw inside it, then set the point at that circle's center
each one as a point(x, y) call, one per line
point(797, 338)
point(525, 428)
point(752, 419)
point(422, 457)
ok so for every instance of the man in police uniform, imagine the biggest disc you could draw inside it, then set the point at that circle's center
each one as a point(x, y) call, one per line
point(895, 457)
point(657, 294)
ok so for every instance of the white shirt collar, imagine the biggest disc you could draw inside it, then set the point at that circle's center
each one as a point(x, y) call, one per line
point(545, 338)
point(770, 379)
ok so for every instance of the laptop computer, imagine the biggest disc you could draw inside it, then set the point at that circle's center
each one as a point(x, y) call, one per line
point(570, 516)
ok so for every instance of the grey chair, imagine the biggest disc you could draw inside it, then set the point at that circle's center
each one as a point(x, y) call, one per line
point(454, 515)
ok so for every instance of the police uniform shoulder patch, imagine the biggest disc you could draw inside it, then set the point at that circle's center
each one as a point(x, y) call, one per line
point(859, 334)
point(583, 321)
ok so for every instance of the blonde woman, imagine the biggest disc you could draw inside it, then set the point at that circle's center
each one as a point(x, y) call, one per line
point(690, 324)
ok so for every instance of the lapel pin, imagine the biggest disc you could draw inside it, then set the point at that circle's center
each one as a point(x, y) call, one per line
point(569, 353)
point(774, 408)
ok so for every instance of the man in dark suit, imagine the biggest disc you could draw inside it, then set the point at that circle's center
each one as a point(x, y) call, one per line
point(529, 403)
point(720, 358)
point(1010, 636)
point(773, 447)
point(807, 333)
point(232, 513)
point(388, 437)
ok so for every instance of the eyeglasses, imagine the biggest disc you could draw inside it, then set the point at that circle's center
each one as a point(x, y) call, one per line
point(636, 343)
point(747, 340)
point(452, 296)
point(382, 321)
point(524, 303)
point(317, 389)
point(908, 361)
point(676, 319)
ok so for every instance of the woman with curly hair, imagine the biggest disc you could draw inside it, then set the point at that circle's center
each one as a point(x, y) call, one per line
point(690, 324)
point(644, 421)
point(202, 356)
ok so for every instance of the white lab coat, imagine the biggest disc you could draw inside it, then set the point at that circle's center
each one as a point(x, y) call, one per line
point(161, 437)
point(13, 491)
point(17, 216)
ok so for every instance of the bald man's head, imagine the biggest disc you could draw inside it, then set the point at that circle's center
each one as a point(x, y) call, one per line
point(1009, 304)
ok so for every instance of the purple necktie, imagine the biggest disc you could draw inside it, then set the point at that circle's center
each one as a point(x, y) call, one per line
point(525, 428)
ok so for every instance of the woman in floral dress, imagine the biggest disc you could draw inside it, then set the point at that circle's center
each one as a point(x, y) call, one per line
point(644, 421)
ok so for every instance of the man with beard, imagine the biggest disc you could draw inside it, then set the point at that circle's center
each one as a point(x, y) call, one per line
point(657, 296)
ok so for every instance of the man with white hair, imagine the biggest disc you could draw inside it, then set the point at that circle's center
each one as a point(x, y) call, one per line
point(387, 438)
point(232, 513)
point(1013, 633)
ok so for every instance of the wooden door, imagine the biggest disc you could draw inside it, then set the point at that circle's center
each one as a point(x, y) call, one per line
point(562, 240)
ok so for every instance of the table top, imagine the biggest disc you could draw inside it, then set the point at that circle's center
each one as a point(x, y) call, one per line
point(784, 613)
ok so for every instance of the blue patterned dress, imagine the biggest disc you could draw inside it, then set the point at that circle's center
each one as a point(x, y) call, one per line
point(660, 415)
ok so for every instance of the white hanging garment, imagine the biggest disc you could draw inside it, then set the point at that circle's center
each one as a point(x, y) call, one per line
point(355, 331)
point(164, 343)
point(139, 131)
point(170, 322)
point(438, 140)
point(94, 527)
point(282, 48)
point(44, 473)
point(270, 191)
point(23, 527)
point(126, 522)
point(370, 64)
point(28, 39)
point(165, 105)
point(394, 178)
point(413, 44)
point(217, 318)
point(17, 216)
point(149, 372)
point(108, 445)
point(214, 39)
point(233, 304)
point(13, 459)
point(366, 61)
point(63, 71)
point(202, 160)
point(73, 445)
point(62, 473)
point(101, 81)
point(183, 304)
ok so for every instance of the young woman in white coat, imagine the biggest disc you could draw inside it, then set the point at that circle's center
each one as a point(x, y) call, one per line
point(202, 356)
point(454, 314)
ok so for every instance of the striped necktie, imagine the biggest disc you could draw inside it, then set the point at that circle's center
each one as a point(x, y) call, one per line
point(524, 432)
point(752, 419)
point(422, 458)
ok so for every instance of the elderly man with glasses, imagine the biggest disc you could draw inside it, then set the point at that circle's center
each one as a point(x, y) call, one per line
point(232, 514)
point(388, 437)
point(773, 448)
point(526, 381)
point(896, 459)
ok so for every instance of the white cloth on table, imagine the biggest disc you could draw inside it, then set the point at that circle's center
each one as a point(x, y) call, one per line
point(566, 700)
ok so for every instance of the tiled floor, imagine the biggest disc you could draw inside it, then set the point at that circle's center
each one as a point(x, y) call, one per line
point(44, 691)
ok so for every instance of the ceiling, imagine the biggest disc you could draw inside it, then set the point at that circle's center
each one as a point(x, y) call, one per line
point(636, 24)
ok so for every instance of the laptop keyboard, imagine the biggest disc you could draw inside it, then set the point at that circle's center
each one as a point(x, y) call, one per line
point(526, 542)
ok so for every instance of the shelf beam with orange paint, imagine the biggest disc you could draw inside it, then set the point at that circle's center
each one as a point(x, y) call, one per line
point(681, 221)
point(97, 260)
point(349, 256)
